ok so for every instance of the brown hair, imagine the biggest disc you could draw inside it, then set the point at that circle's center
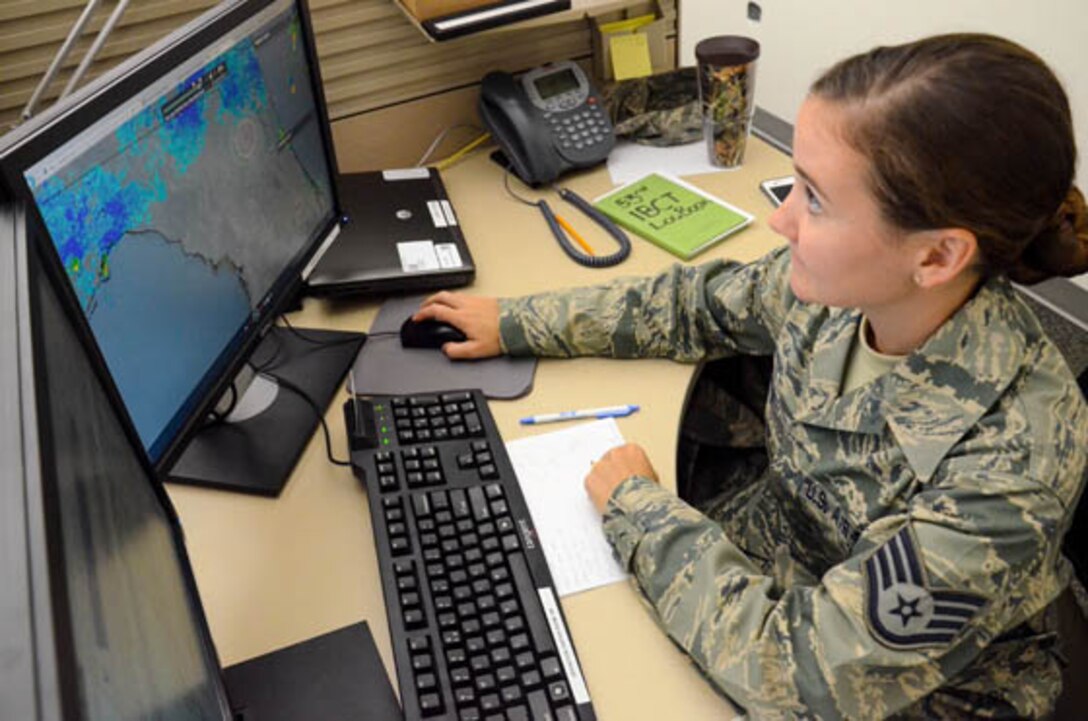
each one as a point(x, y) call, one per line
point(970, 131)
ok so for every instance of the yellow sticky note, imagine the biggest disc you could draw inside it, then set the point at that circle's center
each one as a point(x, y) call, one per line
point(630, 56)
point(626, 26)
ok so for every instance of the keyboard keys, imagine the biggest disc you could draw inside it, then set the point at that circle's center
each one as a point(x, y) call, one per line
point(414, 619)
point(480, 510)
point(538, 706)
point(430, 704)
point(558, 691)
point(549, 666)
point(459, 502)
point(471, 638)
point(538, 625)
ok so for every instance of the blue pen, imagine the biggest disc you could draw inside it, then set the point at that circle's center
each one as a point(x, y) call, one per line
point(609, 412)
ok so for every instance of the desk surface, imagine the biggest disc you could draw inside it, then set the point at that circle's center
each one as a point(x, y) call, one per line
point(274, 572)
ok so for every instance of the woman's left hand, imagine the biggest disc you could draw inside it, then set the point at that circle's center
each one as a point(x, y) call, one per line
point(615, 467)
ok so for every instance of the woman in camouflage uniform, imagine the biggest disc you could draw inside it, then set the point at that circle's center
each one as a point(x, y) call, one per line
point(899, 552)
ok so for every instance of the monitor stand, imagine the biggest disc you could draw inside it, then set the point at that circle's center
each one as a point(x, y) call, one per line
point(257, 452)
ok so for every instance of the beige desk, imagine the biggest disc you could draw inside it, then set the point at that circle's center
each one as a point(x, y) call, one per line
point(275, 572)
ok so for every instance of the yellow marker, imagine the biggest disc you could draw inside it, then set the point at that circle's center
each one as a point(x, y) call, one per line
point(574, 234)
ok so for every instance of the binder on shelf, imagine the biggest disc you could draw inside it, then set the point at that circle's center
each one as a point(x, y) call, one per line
point(483, 17)
point(427, 9)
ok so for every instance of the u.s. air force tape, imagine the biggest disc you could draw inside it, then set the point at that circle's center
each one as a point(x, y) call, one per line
point(901, 610)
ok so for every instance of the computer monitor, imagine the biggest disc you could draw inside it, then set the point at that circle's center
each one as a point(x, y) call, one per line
point(184, 194)
point(99, 616)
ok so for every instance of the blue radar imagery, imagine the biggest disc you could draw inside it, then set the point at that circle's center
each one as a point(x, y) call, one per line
point(174, 225)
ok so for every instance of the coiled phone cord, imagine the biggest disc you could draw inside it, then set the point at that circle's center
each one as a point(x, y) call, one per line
point(590, 261)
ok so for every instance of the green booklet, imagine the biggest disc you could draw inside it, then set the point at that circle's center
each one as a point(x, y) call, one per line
point(673, 214)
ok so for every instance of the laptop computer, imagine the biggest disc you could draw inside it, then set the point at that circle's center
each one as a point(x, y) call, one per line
point(399, 233)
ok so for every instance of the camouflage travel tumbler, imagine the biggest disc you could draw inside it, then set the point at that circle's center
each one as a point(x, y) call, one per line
point(727, 82)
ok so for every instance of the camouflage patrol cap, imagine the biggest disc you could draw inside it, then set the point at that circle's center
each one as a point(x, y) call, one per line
point(660, 109)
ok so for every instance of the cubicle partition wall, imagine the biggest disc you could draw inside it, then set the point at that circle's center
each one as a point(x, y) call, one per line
point(380, 71)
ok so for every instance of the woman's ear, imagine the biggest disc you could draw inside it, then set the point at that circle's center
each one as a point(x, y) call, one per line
point(945, 254)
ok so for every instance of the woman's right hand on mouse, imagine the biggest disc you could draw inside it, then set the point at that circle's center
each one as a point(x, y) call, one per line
point(476, 317)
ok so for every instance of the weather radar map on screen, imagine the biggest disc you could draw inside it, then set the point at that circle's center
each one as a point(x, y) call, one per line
point(175, 215)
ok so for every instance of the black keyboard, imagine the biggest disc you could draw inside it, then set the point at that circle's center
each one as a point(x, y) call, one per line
point(477, 630)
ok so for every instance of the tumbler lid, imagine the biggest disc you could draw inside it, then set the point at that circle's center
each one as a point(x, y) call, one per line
point(726, 50)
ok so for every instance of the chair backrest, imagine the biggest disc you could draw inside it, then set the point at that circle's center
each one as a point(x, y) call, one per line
point(1076, 541)
point(1072, 342)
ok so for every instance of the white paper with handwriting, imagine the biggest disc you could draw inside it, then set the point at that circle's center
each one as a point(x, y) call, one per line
point(551, 468)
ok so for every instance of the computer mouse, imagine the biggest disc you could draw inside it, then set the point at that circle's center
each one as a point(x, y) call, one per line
point(428, 334)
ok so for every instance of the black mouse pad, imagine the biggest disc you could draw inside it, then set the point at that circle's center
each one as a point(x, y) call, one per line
point(383, 366)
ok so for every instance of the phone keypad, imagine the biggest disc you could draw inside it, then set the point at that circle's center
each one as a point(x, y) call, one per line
point(583, 128)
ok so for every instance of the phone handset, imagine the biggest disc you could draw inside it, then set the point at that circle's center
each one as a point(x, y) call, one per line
point(547, 121)
point(514, 123)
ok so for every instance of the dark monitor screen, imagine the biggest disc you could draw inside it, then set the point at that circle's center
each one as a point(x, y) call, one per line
point(183, 200)
point(137, 635)
point(99, 620)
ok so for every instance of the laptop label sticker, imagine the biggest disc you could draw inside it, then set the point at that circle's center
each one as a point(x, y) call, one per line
point(417, 255)
point(448, 257)
point(447, 209)
point(437, 215)
point(406, 174)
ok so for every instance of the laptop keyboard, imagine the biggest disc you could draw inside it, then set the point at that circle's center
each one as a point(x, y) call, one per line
point(477, 630)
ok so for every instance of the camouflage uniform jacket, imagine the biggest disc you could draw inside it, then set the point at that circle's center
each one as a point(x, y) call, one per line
point(899, 554)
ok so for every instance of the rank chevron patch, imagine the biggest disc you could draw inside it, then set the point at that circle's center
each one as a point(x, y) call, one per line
point(902, 611)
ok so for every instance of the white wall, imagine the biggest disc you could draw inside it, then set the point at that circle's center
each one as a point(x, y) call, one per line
point(801, 38)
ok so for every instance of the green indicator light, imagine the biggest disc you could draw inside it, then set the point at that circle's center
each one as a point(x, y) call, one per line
point(385, 441)
point(379, 407)
point(384, 429)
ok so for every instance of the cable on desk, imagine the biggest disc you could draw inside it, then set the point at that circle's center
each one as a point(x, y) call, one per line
point(272, 362)
point(448, 161)
point(557, 224)
point(442, 136)
point(510, 191)
point(216, 417)
point(280, 380)
point(317, 341)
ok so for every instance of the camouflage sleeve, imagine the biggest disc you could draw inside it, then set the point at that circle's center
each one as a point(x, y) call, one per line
point(921, 595)
point(686, 313)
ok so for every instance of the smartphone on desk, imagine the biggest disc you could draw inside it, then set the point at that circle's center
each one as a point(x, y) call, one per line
point(777, 189)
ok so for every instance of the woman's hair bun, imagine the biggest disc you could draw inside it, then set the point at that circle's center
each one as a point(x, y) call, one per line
point(1061, 248)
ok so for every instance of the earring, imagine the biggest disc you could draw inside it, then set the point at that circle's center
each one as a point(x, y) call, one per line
point(917, 278)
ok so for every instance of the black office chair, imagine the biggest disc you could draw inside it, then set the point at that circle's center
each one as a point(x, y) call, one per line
point(1076, 541)
point(1072, 342)
point(1073, 616)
